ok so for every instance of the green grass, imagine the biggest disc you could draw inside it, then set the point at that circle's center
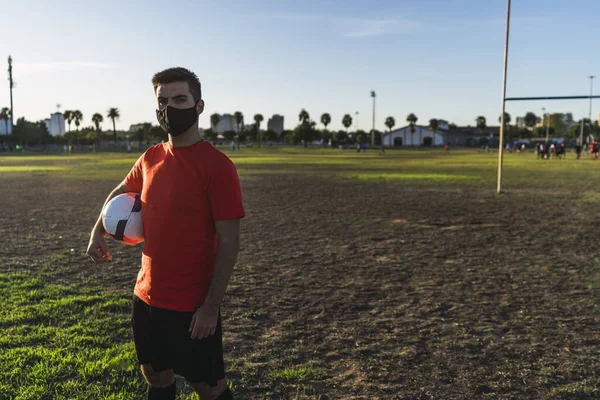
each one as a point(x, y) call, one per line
point(406, 166)
point(294, 374)
point(66, 342)
point(29, 168)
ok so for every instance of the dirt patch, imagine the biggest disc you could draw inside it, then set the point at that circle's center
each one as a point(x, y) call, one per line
point(387, 291)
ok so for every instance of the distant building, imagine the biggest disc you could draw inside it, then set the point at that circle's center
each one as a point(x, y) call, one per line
point(56, 124)
point(4, 126)
point(135, 127)
point(275, 123)
point(424, 136)
point(567, 119)
point(443, 125)
point(226, 123)
point(522, 125)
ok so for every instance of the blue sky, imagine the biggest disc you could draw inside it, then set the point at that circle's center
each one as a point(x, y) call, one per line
point(435, 58)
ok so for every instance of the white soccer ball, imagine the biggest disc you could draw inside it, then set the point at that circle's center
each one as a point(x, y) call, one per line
point(122, 218)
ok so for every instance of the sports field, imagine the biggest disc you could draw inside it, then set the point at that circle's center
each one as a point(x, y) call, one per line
point(361, 276)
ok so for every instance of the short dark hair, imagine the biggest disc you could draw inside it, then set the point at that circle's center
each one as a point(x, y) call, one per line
point(179, 74)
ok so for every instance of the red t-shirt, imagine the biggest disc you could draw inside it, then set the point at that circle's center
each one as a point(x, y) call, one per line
point(184, 190)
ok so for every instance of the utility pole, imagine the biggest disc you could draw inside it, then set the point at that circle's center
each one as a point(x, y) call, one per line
point(590, 114)
point(373, 95)
point(547, 123)
point(591, 94)
point(12, 84)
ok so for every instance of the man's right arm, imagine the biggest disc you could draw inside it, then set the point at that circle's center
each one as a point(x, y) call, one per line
point(97, 248)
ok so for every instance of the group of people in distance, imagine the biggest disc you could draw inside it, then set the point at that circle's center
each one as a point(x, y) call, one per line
point(545, 151)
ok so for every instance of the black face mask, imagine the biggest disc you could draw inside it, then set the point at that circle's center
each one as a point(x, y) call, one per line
point(176, 121)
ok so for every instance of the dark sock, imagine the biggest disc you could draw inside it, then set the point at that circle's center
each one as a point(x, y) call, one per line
point(167, 393)
point(226, 395)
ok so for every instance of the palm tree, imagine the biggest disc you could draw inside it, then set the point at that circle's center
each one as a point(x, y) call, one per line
point(530, 120)
point(214, 121)
point(77, 117)
point(113, 113)
point(390, 122)
point(258, 118)
point(303, 116)
point(434, 125)
point(239, 119)
point(506, 118)
point(97, 120)
point(347, 121)
point(68, 114)
point(412, 120)
point(481, 123)
point(325, 119)
point(5, 116)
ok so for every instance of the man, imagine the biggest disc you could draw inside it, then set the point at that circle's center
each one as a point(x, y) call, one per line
point(191, 210)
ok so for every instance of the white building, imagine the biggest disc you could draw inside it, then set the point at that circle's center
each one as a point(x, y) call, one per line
point(56, 124)
point(422, 136)
point(5, 128)
point(455, 136)
point(275, 123)
point(226, 123)
point(133, 128)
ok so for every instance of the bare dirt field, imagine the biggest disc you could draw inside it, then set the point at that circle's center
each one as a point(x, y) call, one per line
point(349, 289)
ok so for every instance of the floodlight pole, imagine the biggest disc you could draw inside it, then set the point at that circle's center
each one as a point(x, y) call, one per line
point(501, 141)
point(373, 130)
point(548, 128)
point(591, 94)
point(11, 85)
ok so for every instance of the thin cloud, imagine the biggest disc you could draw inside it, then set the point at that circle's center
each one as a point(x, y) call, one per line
point(352, 27)
point(32, 68)
point(362, 28)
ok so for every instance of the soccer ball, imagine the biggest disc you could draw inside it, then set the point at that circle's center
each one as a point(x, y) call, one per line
point(122, 218)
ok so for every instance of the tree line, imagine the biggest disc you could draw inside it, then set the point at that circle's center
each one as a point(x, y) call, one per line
point(306, 131)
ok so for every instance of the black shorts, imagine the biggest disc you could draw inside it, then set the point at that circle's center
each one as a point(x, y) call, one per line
point(162, 339)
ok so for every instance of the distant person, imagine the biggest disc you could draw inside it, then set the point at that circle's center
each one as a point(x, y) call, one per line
point(129, 147)
point(446, 148)
point(578, 149)
point(192, 209)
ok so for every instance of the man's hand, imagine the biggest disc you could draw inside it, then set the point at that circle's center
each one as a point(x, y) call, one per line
point(97, 248)
point(204, 322)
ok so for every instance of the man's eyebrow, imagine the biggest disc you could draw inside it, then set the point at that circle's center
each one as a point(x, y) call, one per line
point(179, 96)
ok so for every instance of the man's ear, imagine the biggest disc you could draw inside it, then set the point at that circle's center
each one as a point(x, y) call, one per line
point(200, 106)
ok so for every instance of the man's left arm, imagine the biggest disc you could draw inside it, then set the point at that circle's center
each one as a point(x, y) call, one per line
point(204, 321)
